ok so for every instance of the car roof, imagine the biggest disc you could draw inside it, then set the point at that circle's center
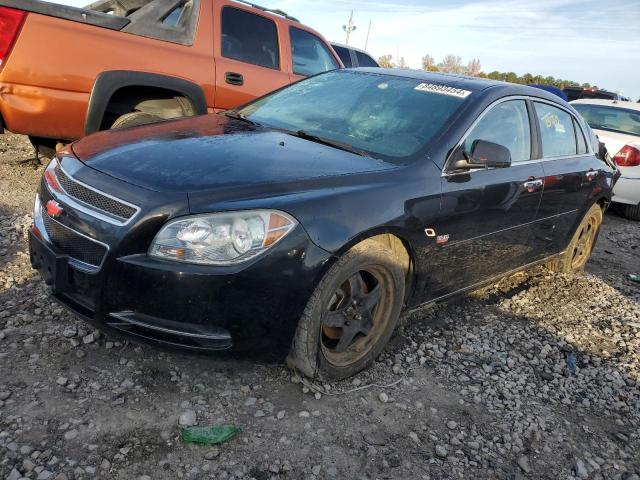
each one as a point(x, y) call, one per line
point(465, 82)
point(608, 103)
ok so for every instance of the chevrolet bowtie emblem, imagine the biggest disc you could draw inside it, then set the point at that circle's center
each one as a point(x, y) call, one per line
point(54, 210)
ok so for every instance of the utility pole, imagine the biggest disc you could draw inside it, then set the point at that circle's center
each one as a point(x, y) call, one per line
point(366, 43)
point(350, 27)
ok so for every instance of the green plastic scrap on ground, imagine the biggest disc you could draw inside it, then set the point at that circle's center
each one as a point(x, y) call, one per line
point(634, 278)
point(214, 435)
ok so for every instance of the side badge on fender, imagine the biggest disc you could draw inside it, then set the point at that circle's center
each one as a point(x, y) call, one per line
point(442, 239)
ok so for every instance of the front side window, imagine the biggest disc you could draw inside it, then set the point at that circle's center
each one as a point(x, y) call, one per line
point(345, 55)
point(392, 118)
point(506, 124)
point(310, 54)
point(249, 38)
point(365, 60)
point(556, 130)
point(602, 117)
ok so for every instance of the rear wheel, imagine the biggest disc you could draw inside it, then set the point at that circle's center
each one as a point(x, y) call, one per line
point(632, 212)
point(577, 254)
point(351, 315)
point(134, 119)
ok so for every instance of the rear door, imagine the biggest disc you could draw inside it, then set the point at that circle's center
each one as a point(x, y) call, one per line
point(571, 174)
point(249, 56)
point(485, 228)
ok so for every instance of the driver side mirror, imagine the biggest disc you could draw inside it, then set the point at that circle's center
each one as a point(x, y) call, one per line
point(484, 155)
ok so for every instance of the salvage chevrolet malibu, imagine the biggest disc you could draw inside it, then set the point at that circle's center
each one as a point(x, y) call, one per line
point(308, 220)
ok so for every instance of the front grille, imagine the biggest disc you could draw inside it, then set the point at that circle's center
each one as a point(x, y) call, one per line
point(92, 198)
point(70, 242)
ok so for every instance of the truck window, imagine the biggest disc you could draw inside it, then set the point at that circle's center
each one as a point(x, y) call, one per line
point(250, 38)
point(310, 55)
point(345, 55)
point(365, 60)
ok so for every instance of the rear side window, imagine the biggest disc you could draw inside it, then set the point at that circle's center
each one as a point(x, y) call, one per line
point(582, 143)
point(249, 38)
point(365, 60)
point(310, 55)
point(506, 124)
point(556, 129)
point(344, 55)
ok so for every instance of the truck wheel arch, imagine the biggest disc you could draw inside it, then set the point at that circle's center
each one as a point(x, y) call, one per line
point(109, 83)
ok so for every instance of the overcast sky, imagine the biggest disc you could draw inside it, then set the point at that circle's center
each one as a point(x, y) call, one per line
point(581, 40)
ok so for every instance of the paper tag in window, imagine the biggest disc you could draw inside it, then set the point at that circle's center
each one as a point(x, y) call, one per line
point(443, 90)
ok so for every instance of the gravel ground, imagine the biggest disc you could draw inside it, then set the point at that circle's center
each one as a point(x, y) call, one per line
point(537, 376)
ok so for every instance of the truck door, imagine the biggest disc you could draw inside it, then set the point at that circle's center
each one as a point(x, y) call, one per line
point(248, 55)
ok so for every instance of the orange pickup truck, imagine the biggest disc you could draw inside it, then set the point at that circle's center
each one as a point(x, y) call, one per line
point(66, 72)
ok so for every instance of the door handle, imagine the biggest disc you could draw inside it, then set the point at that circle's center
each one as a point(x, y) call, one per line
point(233, 78)
point(533, 184)
point(592, 175)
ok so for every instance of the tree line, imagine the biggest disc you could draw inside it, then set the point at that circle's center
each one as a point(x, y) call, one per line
point(453, 64)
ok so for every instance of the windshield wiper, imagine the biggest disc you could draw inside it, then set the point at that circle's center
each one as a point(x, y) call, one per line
point(331, 143)
point(238, 116)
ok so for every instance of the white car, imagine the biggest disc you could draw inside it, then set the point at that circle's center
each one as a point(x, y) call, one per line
point(617, 125)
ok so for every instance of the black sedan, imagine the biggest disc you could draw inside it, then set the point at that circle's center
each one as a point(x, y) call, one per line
point(310, 219)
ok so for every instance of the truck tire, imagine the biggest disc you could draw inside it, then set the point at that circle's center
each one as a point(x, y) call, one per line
point(134, 119)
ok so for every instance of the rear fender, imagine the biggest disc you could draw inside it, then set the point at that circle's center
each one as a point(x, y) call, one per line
point(108, 83)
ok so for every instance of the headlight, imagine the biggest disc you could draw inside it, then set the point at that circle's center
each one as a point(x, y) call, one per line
point(221, 238)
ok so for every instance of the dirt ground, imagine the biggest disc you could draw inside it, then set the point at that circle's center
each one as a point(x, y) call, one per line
point(537, 376)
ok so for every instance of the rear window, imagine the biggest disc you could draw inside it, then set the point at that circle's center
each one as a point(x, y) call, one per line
point(344, 55)
point(390, 117)
point(365, 60)
point(556, 129)
point(310, 54)
point(602, 117)
point(250, 38)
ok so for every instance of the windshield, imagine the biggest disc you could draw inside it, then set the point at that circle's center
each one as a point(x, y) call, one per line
point(388, 117)
point(614, 119)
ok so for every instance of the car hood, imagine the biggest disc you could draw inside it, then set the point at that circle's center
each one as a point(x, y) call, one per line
point(214, 152)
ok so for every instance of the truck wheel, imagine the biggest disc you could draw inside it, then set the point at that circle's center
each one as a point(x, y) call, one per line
point(351, 315)
point(134, 119)
point(632, 212)
point(579, 250)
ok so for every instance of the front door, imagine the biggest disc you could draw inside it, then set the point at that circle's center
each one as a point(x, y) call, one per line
point(248, 57)
point(486, 217)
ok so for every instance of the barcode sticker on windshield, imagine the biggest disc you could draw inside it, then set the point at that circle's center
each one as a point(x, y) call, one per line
point(443, 90)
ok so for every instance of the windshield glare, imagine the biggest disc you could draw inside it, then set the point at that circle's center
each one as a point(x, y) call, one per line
point(386, 116)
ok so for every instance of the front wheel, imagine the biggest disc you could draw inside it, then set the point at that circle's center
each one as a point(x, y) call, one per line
point(351, 315)
point(579, 250)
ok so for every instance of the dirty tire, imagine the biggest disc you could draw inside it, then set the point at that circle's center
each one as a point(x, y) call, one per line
point(582, 242)
point(373, 262)
point(134, 119)
point(632, 212)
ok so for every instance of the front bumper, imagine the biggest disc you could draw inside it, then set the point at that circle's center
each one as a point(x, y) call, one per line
point(253, 307)
point(188, 306)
